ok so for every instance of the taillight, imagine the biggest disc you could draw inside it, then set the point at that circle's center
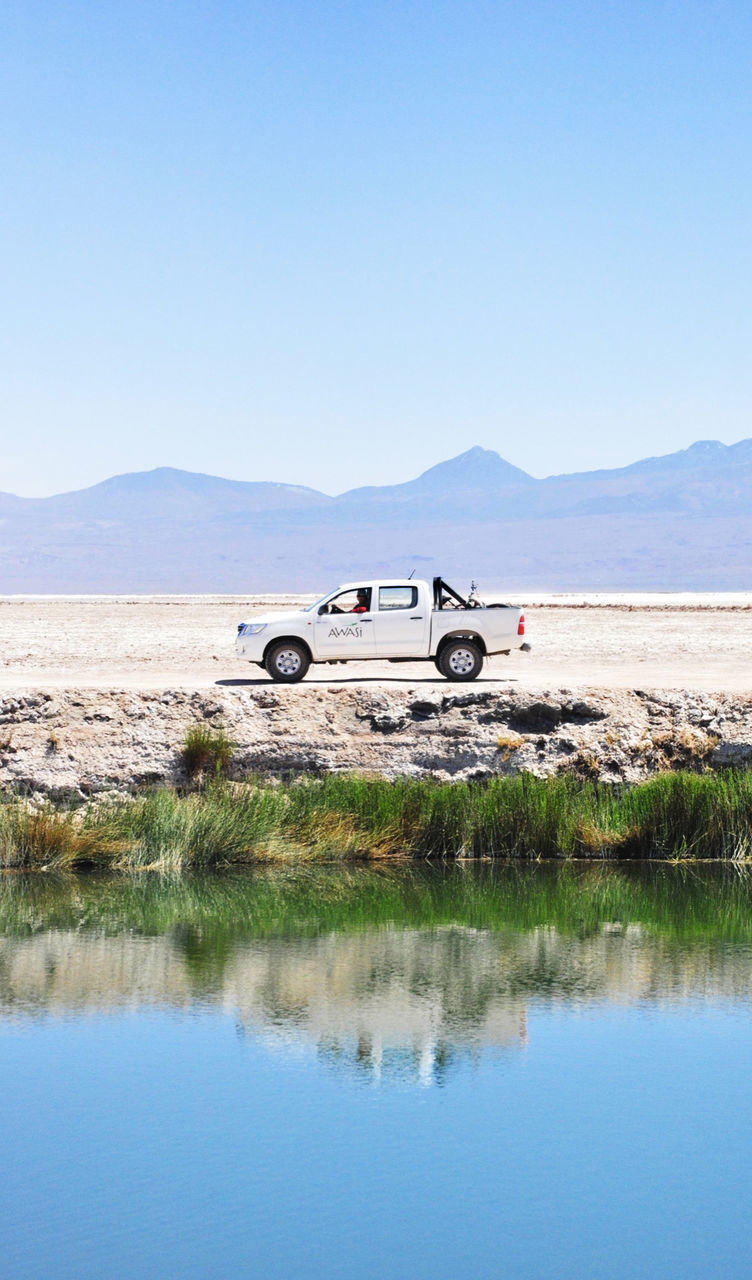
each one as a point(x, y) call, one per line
point(521, 625)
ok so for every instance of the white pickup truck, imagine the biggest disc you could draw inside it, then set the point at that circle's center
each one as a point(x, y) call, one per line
point(393, 619)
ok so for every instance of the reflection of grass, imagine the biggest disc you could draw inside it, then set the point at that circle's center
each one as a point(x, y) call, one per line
point(207, 914)
point(351, 817)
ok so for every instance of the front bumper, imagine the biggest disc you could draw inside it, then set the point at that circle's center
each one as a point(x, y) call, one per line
point(250, 648)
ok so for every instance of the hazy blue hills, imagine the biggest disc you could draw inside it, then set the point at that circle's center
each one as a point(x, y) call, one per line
point(682, 521)
point(169, 493)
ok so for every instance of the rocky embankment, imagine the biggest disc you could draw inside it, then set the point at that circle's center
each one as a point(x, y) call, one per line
point(87, 743)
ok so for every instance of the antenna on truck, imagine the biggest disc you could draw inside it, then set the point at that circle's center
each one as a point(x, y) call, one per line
point(409, 576)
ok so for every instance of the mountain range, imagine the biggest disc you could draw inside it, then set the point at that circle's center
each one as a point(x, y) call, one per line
point(678, 522)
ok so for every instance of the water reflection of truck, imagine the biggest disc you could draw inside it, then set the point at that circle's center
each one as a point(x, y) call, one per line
point(396, 619)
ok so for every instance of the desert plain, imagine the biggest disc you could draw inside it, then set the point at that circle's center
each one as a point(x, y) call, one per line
point(681, 641)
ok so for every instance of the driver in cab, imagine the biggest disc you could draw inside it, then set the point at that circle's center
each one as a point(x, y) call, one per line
point(342, 603)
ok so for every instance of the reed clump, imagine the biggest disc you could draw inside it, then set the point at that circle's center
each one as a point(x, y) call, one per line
point(350, 817)
point(57, 839)
point(206, 751)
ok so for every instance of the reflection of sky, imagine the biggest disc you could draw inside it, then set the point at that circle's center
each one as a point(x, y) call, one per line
point(386, 1004)
point(154, 1142)
point(182, 1119)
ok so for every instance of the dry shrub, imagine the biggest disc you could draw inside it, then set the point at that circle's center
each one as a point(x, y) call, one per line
point(697, 743)
point(509, 741)
point(685, 746)
point(583, 764)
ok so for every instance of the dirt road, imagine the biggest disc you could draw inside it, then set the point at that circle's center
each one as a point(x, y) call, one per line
point(144, 643)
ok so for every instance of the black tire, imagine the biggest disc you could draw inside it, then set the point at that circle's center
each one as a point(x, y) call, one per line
point(287, 662)
point(460, 660)
point(437, 664)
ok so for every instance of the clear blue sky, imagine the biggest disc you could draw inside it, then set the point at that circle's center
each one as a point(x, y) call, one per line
point(333, 243)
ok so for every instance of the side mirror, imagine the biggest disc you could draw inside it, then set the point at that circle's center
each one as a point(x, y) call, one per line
point(323, 609)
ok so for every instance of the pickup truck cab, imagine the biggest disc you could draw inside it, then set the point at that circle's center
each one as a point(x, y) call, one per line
point(393, 619)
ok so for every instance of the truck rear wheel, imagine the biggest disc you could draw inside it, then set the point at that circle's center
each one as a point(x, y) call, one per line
point(460, 660)
point(287, 662)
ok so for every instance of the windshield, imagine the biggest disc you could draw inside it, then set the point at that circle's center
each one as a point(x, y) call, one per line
point(310, 607)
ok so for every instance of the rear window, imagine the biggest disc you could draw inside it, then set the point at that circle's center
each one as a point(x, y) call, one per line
point(398, 597)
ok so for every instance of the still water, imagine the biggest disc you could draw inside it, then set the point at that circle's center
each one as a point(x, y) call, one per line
point(420, 1072)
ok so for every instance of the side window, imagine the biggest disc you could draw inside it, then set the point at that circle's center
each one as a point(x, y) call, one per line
point(398, 598)
point(356, 600)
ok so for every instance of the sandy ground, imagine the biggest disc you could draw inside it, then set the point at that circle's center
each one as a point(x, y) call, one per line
point(620, 642)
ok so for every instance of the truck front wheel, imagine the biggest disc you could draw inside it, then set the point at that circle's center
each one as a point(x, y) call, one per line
point(460, 660)
point(287, 662)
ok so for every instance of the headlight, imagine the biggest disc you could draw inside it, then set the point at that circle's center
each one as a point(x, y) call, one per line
point(253, 628)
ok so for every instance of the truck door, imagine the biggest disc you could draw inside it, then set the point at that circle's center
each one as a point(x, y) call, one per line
point(403, 622)
point(344, 626)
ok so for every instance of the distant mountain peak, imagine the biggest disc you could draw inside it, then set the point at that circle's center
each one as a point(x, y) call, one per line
point(477, 451)
point(476, 467)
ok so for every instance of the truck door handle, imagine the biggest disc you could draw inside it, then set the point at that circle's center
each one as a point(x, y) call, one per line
point(365, 619)
point(416, 617)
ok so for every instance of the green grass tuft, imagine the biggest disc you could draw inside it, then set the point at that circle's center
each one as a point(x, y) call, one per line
point(206, 751)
